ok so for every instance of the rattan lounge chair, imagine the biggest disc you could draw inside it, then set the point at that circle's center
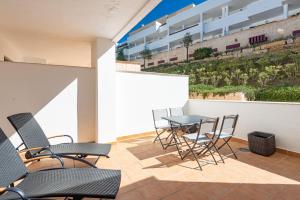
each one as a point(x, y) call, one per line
point(75, 183)
point(33, 136)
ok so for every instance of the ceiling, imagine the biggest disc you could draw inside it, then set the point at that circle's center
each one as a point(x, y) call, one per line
point(73, 19)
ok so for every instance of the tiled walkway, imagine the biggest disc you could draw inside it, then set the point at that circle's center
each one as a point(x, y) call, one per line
point(148, 172)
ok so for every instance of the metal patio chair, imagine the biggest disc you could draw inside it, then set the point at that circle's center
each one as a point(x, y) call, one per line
point(75, 183)
point(226, 132)
point(161, 126)
point(176, 112)
point(199, 143)
point(32, 136)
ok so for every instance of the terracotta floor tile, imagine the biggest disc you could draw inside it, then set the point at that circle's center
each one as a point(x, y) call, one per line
point(149, 172)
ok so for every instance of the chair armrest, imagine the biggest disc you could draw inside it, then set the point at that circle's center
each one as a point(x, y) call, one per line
point(29, 155)
point(17, 191)
point(18, 147)
point(57, 136)
point(35, 149)
point(46, 157)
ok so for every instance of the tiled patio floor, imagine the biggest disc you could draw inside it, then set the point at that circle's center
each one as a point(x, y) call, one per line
point(148, 172)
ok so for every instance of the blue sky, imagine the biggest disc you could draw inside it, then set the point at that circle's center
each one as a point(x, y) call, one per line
point(164, 8)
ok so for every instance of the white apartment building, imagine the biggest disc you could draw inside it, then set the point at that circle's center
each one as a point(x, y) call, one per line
point(209, 20)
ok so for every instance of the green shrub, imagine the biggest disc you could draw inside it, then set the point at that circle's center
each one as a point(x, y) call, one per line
point(202, 53)
point(205, 90)
point(280, 94)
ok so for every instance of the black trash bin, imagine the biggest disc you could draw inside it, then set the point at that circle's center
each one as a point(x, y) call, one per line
point(262, 143)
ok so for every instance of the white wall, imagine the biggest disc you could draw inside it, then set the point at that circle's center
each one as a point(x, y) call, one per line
point(104, 59)
point(61, 98)
point(139, 93)
point(282, 119)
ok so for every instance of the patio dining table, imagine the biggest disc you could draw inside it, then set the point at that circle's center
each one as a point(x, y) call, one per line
point(179, 122)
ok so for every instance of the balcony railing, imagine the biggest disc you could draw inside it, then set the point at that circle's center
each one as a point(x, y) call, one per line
point(184, 29)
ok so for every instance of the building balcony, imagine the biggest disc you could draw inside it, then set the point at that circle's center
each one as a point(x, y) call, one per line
point(136, 49)
point(180, 34)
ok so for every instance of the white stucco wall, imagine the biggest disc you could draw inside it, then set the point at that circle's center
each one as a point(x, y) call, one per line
point(139, 93)
point(104, 59)
point(61, 98)
point(282, 119)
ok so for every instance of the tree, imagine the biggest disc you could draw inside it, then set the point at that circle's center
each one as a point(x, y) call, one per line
point(120, 55)
point(187, 42)
point(146, 55)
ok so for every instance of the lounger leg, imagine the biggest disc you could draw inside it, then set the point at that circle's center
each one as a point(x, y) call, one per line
point(77, 198)
point(78, 159)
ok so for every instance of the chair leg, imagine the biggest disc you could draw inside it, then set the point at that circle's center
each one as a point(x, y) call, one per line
point(170, 135)
point(191, 150)
point(158, 135)
point(226, 142)
point(208, 149)
point(216, 149)
point(231, 150)
point(157, 138)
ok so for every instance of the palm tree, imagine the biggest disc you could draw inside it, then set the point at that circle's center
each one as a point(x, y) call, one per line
point(146, 54)
point(187, 42)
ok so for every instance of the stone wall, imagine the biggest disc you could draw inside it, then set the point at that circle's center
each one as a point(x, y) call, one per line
point(128, 66)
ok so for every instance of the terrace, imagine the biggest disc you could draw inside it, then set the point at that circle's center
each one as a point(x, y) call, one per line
point(152, 173)
point(65, 75)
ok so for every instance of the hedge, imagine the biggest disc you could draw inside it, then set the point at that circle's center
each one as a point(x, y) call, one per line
point(205, 90)
point(279, 94)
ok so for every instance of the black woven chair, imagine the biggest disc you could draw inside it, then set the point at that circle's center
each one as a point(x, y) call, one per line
point(75, 183)
point(33, 136)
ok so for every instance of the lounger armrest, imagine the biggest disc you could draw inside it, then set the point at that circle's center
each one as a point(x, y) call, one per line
point(46, 157)
point(57, 136)
point(18, 147)
point(17, 191)
point(29, 155)
point(35, 149)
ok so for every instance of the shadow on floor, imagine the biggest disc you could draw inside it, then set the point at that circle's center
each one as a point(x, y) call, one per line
point(277, 163)
point(152, 188)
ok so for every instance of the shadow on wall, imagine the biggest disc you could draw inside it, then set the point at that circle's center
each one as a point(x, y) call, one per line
point(61, 98)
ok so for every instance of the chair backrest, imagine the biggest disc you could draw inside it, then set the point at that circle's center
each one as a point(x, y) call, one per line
point(12, 167)
point(158, 114)
point(176, 112)
point(29, 130)
point(207, 126)
point(229, 123)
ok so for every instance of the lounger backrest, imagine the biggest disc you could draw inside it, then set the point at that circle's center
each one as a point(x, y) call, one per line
point(29, 130)
point(11, 165)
